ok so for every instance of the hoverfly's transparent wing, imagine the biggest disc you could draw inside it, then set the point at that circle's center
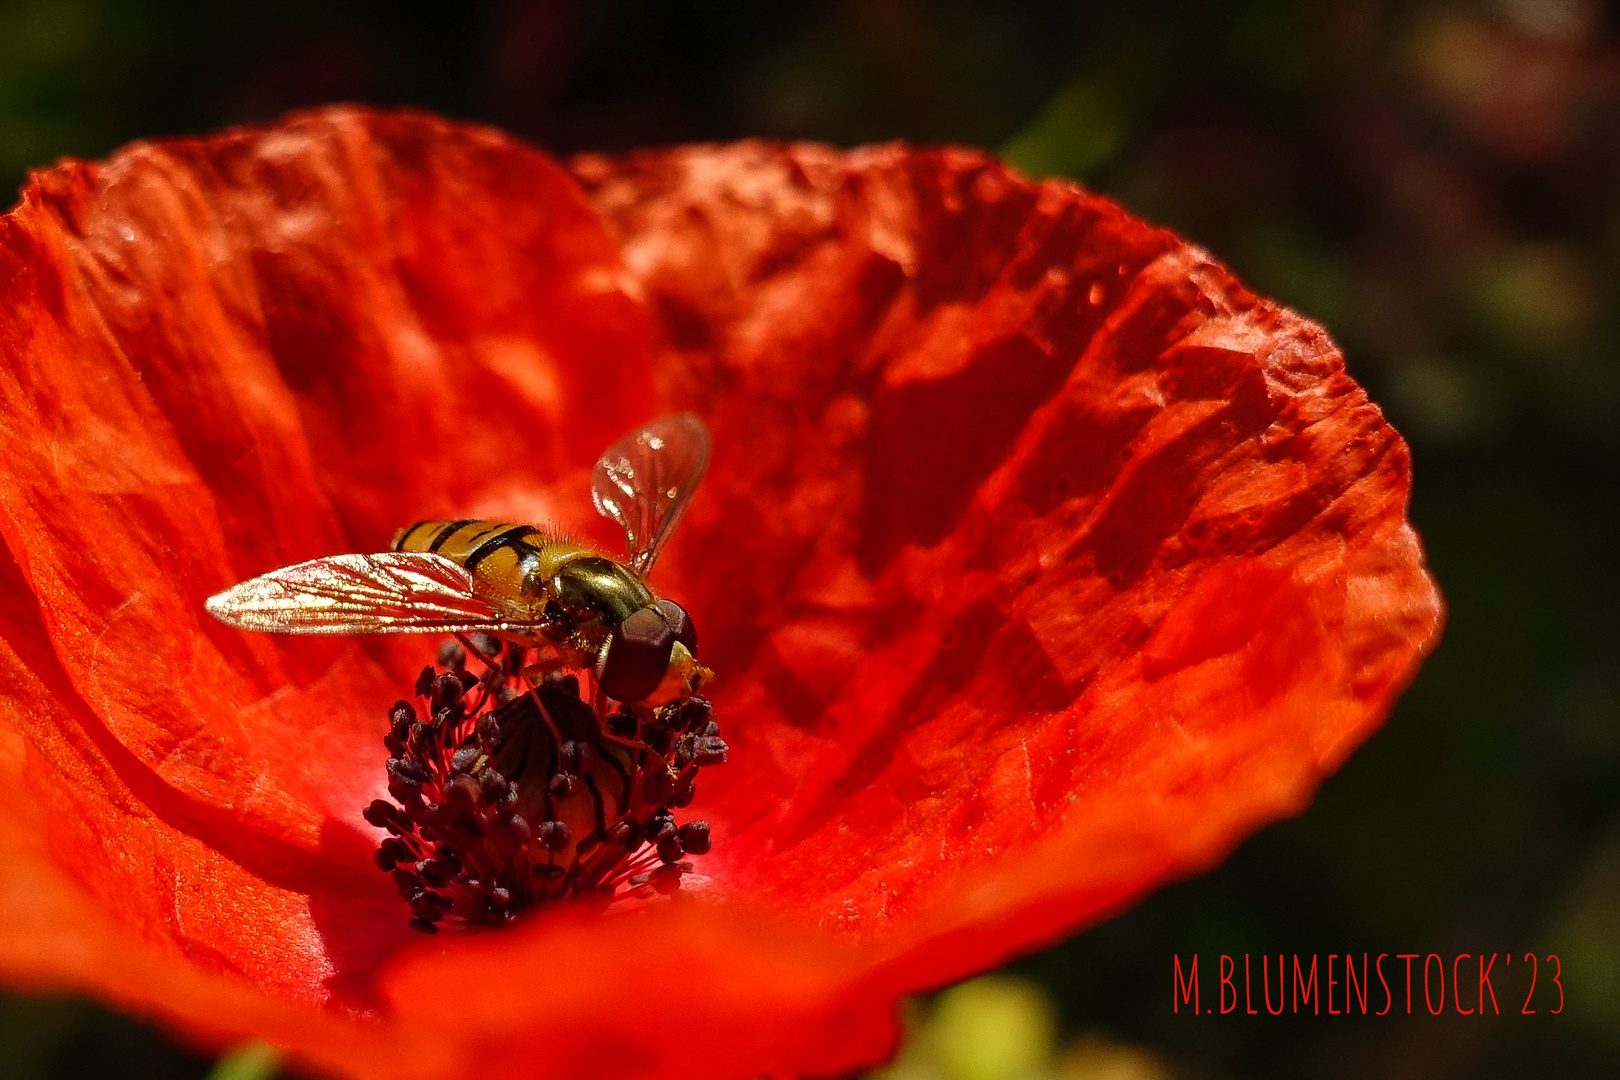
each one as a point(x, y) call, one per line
point(395, 592)
point(645, 480)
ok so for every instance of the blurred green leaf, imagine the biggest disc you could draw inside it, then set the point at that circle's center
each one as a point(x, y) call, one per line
point(999, 1027)
point(253, 1060)
point(1077, 130)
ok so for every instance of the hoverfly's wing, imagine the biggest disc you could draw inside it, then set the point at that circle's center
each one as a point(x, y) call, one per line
point(645, 480)
point(395, 592)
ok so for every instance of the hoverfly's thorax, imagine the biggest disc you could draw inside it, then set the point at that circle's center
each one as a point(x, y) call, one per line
point(594, 585)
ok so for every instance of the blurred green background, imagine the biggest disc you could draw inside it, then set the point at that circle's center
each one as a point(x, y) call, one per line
point(1437, 182)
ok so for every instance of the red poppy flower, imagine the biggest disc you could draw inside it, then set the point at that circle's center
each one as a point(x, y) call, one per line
point(1039, 562)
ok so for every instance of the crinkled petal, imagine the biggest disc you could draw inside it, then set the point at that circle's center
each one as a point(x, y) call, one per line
point(1038, 559)
point(1043, 560)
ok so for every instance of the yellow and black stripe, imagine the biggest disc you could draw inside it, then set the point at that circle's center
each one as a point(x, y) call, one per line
point(514, 561)
point(469, 541)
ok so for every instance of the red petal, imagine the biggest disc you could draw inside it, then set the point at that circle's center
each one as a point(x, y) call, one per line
point(1039, 561)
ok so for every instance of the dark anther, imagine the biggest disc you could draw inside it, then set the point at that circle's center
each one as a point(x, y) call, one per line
point(695, 837)
point(424, 682)
point(493, 785)
point(403, 788)
point(656, 786)
point(554, 835)
point(383, 859)
point(660, 828)
point(562, 785)
point(462, 792)
point(684, 797)
point(429, 905)
point(380, 813)
point(424, 926)
point(688, 713)
point(447, 688)
point(433, 872)
point(468, 680)
point(452, 656)
point(669, 849)
point(622, 722)
point(464, 758)
point(405, 882)
point(667, 879)
point(409, 769)
point(561, 682)
point(519, 828)
point(572, 757)
point(709, 750)
point(400, 720)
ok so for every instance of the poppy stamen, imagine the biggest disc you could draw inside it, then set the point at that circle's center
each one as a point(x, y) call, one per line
point(508, 795)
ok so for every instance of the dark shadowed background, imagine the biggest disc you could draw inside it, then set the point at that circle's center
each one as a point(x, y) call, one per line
point(1438, 183)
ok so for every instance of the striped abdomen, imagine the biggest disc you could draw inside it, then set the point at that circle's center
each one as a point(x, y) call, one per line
point(513, 561)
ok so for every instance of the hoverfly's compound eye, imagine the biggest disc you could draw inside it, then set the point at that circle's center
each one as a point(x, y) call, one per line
point(680, 622)
point(637, 655)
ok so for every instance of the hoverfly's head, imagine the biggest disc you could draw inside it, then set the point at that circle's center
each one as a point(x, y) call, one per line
point(651, 656)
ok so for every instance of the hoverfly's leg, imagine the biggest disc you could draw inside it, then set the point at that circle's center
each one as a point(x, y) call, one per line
point(494, 666)
point(632, 739)
point(549, 659)
point(484, 658)
point(545, 714)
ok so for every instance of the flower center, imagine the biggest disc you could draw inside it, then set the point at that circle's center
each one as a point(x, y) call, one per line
point(508, 795)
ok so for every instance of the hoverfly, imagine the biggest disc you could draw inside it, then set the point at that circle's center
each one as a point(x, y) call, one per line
point(520, 583)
